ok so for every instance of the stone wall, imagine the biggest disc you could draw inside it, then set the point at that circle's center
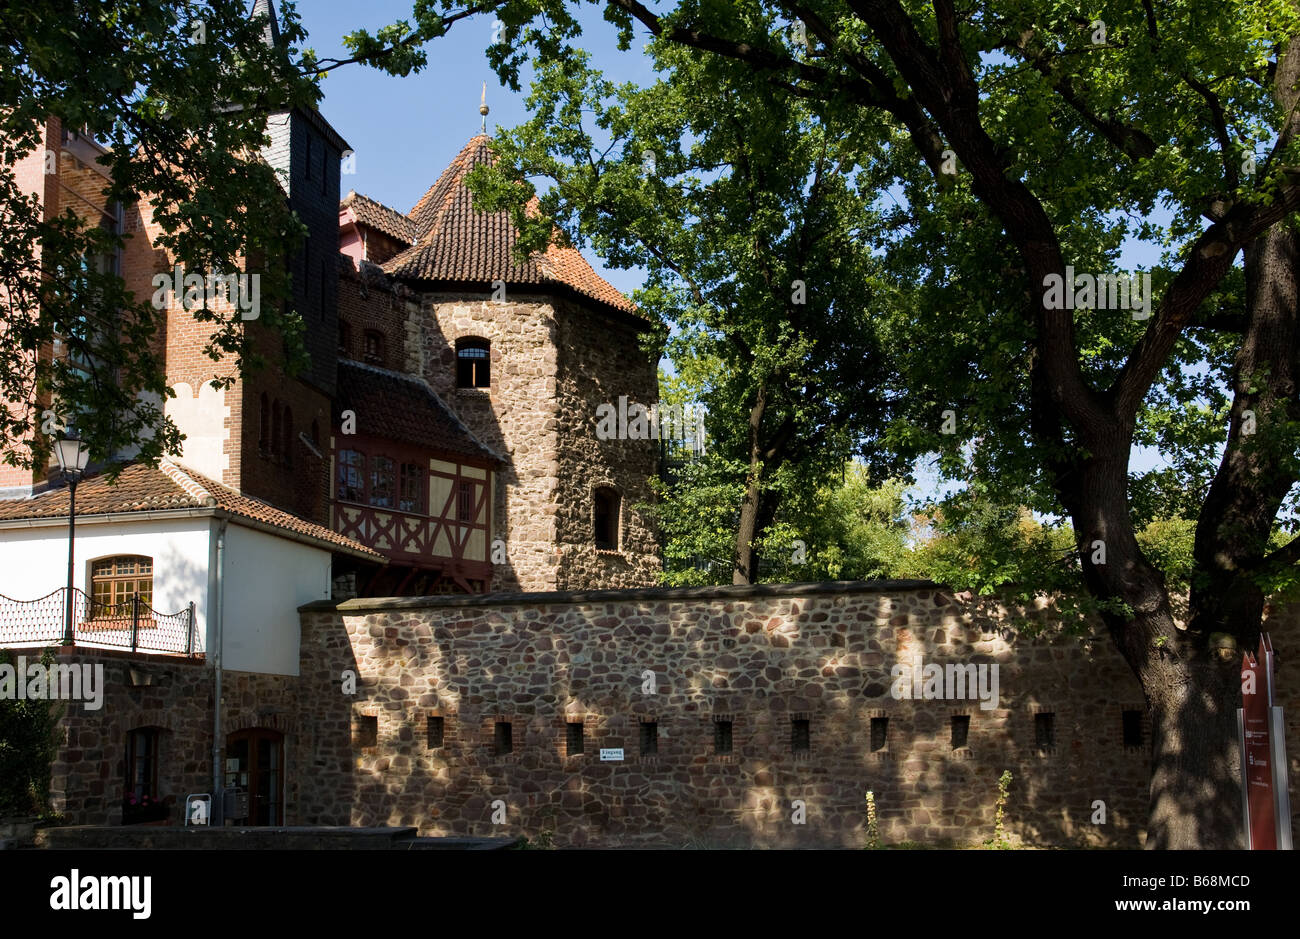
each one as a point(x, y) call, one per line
point(761, 658)
point(600, 362)
point(175, 695)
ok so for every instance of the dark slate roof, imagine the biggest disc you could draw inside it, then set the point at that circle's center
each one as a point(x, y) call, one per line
point(403, 408)
point(456, 243)
point(380, 217)
point(141, 488)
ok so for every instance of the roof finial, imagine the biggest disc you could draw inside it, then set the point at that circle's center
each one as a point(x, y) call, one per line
point(483, 107)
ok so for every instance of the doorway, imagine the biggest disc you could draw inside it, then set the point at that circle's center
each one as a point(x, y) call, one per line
point(255, 764)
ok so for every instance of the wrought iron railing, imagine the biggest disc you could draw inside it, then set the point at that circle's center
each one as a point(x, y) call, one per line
point(132, 624)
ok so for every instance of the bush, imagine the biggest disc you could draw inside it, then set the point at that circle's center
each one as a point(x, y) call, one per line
point(29, 741)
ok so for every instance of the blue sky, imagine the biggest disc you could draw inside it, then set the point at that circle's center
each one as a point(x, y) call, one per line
point(406, 130)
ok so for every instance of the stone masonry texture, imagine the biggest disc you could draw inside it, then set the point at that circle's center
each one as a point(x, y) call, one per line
point(439, 678)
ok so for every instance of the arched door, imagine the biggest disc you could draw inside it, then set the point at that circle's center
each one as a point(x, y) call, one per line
point(255, 764)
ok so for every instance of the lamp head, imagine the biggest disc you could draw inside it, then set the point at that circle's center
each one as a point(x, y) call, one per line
point(72, 455)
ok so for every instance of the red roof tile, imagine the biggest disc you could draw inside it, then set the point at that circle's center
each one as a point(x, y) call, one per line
point(380, 217)
point(456, 243)
point(141, 488)
point(403, 408)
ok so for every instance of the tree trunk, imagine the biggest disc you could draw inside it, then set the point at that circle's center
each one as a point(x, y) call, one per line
point(746, 567)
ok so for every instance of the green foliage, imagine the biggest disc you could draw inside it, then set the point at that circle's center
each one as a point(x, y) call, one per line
point(1000, 841)
point(181, 95)
point(29, 741)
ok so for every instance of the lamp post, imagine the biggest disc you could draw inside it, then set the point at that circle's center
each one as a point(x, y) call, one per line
point(73, 457)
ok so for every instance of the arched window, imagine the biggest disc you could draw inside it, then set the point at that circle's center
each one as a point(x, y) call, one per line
point(264, 426)
point(473, 363)
point(605, 518)
point(114, 581)
point(288, 434)
point(352, 476)
point(277, 428)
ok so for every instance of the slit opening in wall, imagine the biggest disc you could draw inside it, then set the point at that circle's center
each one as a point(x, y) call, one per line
point(433, 732)
point(574, 740)
point(503, 738)
point(649, 738)
point(800, 736)
point(365, 730)
point(960, 734)
point(879, 734)
point(1045, 731)
point(722, 737)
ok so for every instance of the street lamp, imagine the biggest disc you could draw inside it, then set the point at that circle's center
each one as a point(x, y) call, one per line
point(73, 457)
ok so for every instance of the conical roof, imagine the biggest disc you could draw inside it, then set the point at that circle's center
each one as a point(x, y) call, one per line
point(456, 243)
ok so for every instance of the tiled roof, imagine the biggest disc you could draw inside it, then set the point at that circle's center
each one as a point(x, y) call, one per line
point(141, 488)
point(403, 408)
point(380, 217)
point(455, 243)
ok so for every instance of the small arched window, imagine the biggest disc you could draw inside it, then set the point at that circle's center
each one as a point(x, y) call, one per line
point(606, 518)
point(473, 363)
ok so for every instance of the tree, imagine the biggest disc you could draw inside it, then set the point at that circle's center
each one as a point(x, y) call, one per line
point(181, 95)
point(1026, 139)
point(29, 742)
point(745, 218)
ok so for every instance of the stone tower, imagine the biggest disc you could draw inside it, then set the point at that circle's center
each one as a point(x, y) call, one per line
point(525, 354)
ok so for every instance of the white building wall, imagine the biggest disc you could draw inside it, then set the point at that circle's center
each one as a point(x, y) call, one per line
point(266, 579)
point(34, 561)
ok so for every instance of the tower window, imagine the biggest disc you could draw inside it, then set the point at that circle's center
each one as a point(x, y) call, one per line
point(373, 347)
point(433, 732)
point(473, 363)
point(345, 339)
point(605, 518)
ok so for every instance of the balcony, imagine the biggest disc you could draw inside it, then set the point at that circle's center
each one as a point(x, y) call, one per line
point(132, 625)
point(420, 541)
